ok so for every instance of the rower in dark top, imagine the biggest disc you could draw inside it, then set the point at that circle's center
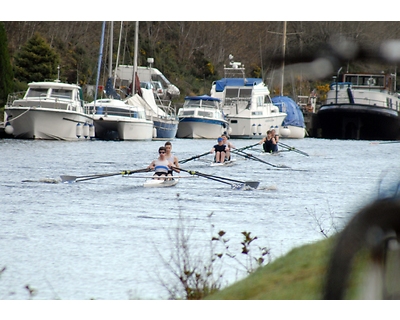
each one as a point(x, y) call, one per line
point(220, 150)
point(269, 143)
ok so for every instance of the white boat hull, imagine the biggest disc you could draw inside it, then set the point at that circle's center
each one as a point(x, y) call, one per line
point(127, 122)
point(160, 183)
point(292, 132)
point(140, 130)
point(46, 124)
point(254, 127)
point(196, 128)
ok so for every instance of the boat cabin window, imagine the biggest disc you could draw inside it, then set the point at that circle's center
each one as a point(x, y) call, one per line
point(61, 93)
point(231, 92)
point(158, 77)
point(36, 92)
point(267, 99)
point(366, 80)
point(260, 101)
point(187, 113)
point(238, 92)
point(205, 114)
point(245, 93)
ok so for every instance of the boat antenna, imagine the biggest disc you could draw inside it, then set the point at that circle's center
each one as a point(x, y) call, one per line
point(58, 73)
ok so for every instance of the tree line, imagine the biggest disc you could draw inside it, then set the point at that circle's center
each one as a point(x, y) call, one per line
point(192, 53)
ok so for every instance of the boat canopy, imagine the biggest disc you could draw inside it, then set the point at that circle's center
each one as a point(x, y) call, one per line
point(294, 114)
point(236, 82)
point(203, 97)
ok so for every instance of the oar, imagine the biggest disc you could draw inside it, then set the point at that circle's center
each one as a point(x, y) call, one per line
point(195, 157)
point(247, 147)
point(386, 142)
point(68, 178)
point(292, 149)
point(236, 185)
point(250, 156)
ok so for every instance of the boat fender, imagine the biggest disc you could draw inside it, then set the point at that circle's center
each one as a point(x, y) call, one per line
point(259, 129)
point(254, 129)
point(85, 130)
point(92, 133)
point(9, 129)
point(154, 132)
point(78, 130)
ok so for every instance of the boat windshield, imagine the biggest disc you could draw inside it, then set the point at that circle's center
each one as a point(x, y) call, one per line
point(36, 93)
point(199, 103)
point(61, 93)
point(208, 104)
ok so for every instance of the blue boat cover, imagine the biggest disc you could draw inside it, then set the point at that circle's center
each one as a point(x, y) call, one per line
point(294, 114)
point(236, 82)
point(203, 97)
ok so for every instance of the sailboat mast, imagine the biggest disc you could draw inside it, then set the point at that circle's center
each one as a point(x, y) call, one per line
point(119, 46)
point(111, 50)
point(99, 62)
point(135, 57)
point(283, 56)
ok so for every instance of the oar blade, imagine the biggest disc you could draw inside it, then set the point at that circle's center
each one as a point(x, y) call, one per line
point(252, 184)
point(67, 178)
point(248, 185)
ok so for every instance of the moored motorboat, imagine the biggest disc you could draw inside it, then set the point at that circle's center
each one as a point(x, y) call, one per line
point(48, 111)
point(201, 117)
point(246, 103)
point(361, 107)
point(293, 126)
point(129, 122)
point(162, 113)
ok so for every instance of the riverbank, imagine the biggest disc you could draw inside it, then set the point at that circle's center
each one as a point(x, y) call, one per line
point(299, 275)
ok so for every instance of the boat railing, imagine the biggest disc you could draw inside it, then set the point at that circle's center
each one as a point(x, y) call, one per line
point(112, 111)
point(49, 103)
point(15, 96)
point(388, 103)
point(168, 110)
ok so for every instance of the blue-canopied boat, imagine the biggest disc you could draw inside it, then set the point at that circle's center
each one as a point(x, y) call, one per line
point(246, 103)
point(293, 125)
point(201, 117)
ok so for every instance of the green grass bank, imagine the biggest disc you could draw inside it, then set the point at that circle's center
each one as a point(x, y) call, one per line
point(299, 275)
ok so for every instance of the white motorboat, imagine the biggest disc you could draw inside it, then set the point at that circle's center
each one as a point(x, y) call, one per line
point(293, 126)
point(162, 113)
point(48, 111)
point(361, 107)
point(160, 183)
point(201, 117)
point(127, 121)
point(246, 103)
point(113, 118)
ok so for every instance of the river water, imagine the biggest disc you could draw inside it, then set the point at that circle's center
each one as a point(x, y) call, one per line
point(111, 238)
